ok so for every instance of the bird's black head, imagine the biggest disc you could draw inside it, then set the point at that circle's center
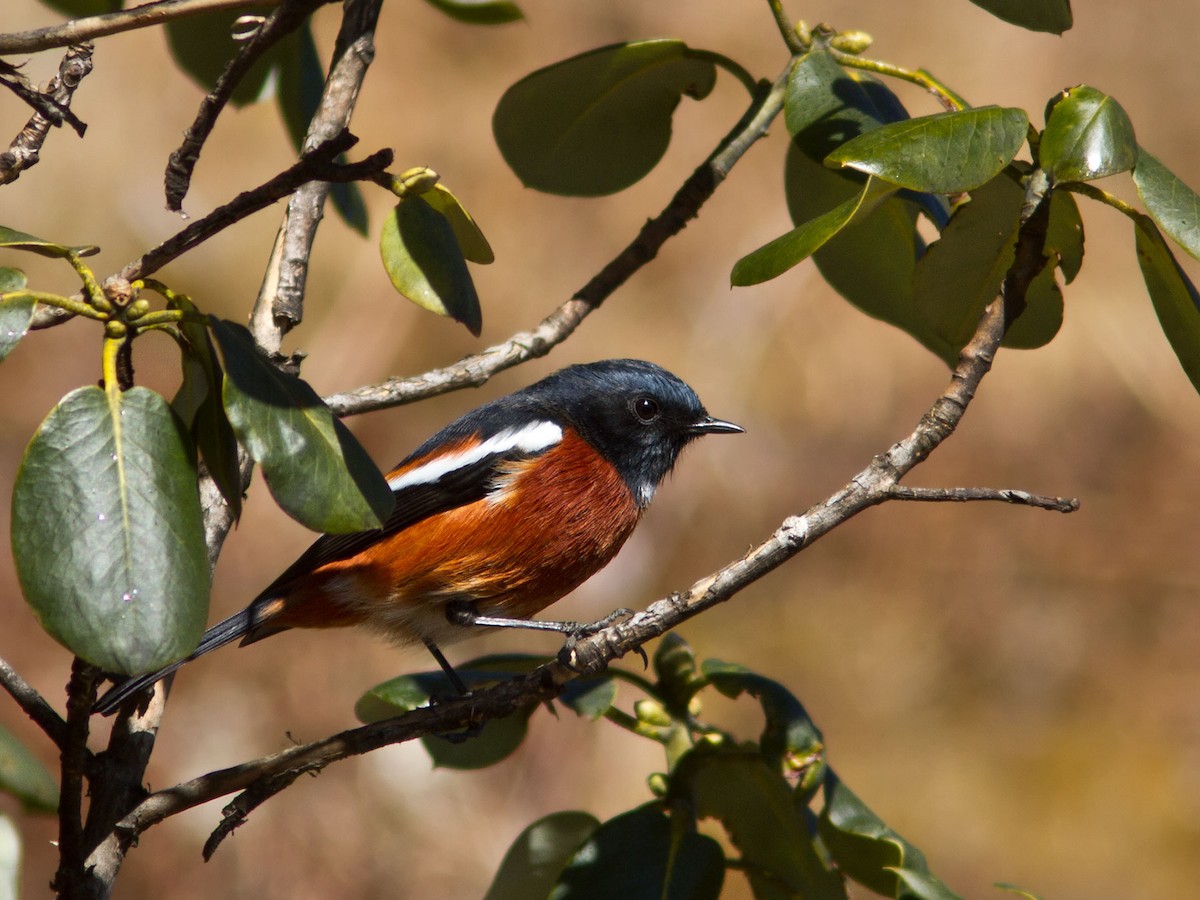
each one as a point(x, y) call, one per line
point(637, 414)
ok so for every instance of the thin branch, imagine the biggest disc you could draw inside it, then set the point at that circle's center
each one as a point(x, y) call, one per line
point(48, 102)
point(78, 30)
point(318, 165)
point(964, 495)
point(52, 107)
point(81, 694)
point(33, 704)
point(280, 303)
point(282, 22)
point(478, 368)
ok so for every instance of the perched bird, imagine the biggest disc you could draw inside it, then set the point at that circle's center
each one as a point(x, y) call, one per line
point(497, 516)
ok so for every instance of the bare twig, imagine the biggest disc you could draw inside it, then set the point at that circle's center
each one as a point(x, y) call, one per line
point(964, 495)
point(476, 369)
point(89, 27)
point(280, 303)
point(33, 704)
point(81, 694)
point(319, 164)
point(282, 22)
point(52, 107)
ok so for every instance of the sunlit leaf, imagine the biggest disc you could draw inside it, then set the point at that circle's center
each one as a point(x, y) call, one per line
point(598, 122)
point(944, 153)
point(19, 240)
point(316, 470)
point(532, 864)
point(1088, 136)
point(1174, 296)
point(474, 245)
point(425, 263)
point(15, 312)
point(1170, 202)
point(641, 855)
point(479, 12)
point(107, 534)
point(1052, 16)
point(24, 777)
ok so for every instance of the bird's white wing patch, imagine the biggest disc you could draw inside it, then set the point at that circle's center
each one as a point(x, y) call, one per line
point(532, 438)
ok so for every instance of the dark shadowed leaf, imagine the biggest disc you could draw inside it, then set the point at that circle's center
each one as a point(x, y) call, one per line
point(203, 45)
point(107, 534)
point(1087, 136)
point(19, 240)
point(1170, 202)
point(15, 312)
point(1043, 315)
point(1064, 234)
point(479, 12)
point(22, 776)
point(643, 855)
point(532, 864)
point(826, 105)
point(870, 852)
point(425, 263)
point(1173, 295)
point(598, 122)
point(944, 153)
point(755, 805)
point(788, 250)
point(961, 272)
point(1052, 16)
point(316, 470)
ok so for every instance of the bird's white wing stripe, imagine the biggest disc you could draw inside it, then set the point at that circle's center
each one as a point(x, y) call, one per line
point(532, 438)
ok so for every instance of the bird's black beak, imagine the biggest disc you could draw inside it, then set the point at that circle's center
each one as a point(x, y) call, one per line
point(709, 425)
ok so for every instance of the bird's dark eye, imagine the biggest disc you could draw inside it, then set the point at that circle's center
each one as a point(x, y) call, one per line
point(646, 409)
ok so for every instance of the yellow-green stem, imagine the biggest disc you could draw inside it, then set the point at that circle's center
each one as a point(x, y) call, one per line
point(921, 78)
point(67, 303)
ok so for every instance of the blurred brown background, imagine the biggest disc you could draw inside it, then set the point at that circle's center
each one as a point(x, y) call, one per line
point(1017, 692)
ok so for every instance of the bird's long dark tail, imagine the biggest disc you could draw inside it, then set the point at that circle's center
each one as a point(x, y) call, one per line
point(236, 626)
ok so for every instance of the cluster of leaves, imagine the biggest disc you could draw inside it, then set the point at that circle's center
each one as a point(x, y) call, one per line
point(797, 828)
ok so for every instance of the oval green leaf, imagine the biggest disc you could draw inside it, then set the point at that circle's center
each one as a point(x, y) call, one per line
point(314, 467)
point(203, 46)
point(596, 123)
point(479, 12)
point(425, 263)
point(19, 240)
point(1170, 202)
point(945, 153)
point(1174, 296)
point(639, 855)
point(24, 777)
point(1050, 16)
point(15, 312)
point(107, 533)
point(1064, 234)
point(1043, 315)
point(826, 105)
point(474, 245)
point(530, 867)
point(1088, 136)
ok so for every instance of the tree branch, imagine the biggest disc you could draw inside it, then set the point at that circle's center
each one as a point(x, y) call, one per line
point(965, 494)
point(478, 368)
point(33, 704)
point(282, 22)
point(280, 303)
point(85, 29)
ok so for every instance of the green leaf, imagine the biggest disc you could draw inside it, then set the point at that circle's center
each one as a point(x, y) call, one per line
point(788, 250)
point(826, 105)
point(1020, 892)
point(1170, 202)
point(315, 469)
point(532, 864)
point(755, 806)
point(203, 46)
point(425, 263)
point(944, 153)
point(1064, 234)
point(107, 533)
point(199, 405)
point(19, 240)
point(24, 777)
point(590, 697)
point(1088, 136)
point(1052, 16)
point(643, 855)
point(79, 8)
point(15, 312)
point(479, 12)
point(961, 273)
point(598, 122)
point(1174, 296)
point(474, 245)
point(348, 200)
point(870, 852)
point(1043, 315)
point(301, 83)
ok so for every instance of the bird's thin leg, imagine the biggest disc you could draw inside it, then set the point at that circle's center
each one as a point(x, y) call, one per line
point(455, 681)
